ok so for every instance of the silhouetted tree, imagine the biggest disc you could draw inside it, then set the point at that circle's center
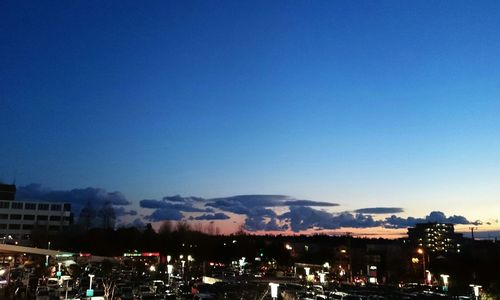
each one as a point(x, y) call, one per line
point(87, 216)
point(107, 216)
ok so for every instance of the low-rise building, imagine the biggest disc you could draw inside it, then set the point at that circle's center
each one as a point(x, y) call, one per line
point(18, 219)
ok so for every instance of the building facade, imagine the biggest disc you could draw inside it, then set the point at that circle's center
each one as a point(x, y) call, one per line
point(18, 219)
point(435, 237)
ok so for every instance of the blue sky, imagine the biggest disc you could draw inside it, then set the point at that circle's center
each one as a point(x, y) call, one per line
point(361, 103)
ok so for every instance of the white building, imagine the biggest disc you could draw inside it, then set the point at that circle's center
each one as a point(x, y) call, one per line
point(19, 218)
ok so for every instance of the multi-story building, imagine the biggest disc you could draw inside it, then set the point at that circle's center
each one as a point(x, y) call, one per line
point(435, 237)
point(18, 219)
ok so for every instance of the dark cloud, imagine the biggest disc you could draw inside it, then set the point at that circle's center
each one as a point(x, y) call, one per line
point(78, 198)
point(304, 218)
point(161, 204)
point(121, 211)
point(178, 198)
point(380, 210)
point(265, 219)
point(171, 208)
point(216, 216)
point(308, 203)
point(165, 214)
point(243, 204)
point(138, 223)
point(257, 209)
point(261, 215)
point(435, 216)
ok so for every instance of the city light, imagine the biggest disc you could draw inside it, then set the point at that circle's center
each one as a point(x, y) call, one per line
point(274, 290)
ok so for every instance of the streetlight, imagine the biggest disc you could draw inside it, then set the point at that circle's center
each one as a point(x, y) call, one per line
point(476, 288)
point(169, 258)
point(445, 282)
point(307, 270)
point(48, 245)
point(421, 251)
point(46, 260)
point(170, 269)
point(90, 292)
point(274, 290)
point(183, 262)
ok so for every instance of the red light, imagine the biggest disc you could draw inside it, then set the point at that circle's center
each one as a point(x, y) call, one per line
point(85, 254)
point(150, 254)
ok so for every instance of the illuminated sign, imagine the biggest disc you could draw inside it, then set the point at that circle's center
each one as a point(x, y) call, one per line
point(150, 254)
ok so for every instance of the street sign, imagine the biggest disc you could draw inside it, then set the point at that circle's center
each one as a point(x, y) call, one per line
point(90, 293)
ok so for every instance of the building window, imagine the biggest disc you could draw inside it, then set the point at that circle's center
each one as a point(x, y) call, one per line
point(4, 216)
point(15, 226)
point(67, 207)
point(42, 206)
point(55, 207)
point(55, 218)
point(3, 226)
point(27, 226)
point(17, 205)
point(42, 218)
point(31, 206)
point(15, 217)
point(4, 204)
point(29, 217)
point(53, 228)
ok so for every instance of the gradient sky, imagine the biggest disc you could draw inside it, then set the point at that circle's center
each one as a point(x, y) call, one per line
point(361, 103)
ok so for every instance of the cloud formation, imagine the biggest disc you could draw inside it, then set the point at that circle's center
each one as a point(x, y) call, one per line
point(304, 218)
point(260, 212)
point(78, 198)
point(172, 208)
point(242, 204)
point(257, 209)
point(435, 216)
point(216, 216)
point(380, 210)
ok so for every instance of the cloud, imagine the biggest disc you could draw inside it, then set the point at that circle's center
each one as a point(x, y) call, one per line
point(138, 223)
point(165, 214)
point(121, 211)
point(178, 198)
point(308, 203)
point(242, 204)
point(380, 210)
point(78, 198)
point(216, 216)
point(157, 204)
point(304, 218)
point(257, 208)
point(171, 208)
point(263, 219)
point(435, 216)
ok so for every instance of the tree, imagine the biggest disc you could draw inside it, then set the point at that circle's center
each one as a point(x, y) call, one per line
point(87, 216)
point(165, 228)
point(107, 216)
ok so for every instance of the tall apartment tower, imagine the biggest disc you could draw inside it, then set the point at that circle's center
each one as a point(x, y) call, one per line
point(435, 237)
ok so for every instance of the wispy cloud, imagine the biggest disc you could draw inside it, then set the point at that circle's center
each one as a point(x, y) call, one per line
point(216, 216)
point(380, 210)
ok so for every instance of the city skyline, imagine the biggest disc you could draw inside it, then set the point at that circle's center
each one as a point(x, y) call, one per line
point(368, 105)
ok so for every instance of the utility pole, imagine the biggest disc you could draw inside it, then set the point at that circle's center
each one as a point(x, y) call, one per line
point(472, 231)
